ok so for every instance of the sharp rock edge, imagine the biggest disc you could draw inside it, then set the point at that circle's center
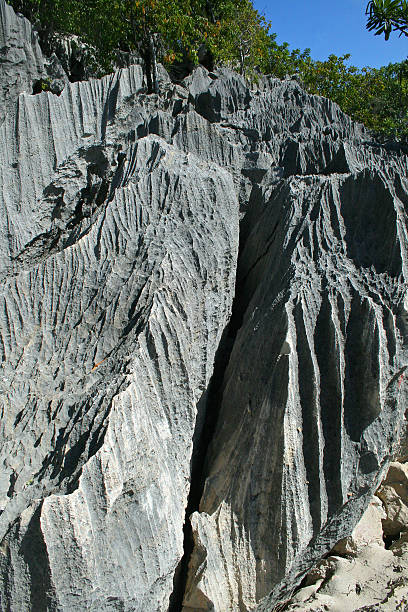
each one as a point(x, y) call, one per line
point(120, 214)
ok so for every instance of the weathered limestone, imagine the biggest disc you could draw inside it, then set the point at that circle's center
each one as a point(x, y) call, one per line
point(118, 264)
point(21, 60)
point(394, 496)
point(130, 329)
point(319, 351)
point(364, 571)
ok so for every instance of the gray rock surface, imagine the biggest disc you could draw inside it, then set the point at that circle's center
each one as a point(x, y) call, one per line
point(21, 60)
point(309, 408)
point(133, 337)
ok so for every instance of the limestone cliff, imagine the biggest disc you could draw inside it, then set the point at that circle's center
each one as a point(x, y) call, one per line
point(203, 311)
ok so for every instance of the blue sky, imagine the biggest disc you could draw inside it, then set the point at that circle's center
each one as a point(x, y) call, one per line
point(331, 27)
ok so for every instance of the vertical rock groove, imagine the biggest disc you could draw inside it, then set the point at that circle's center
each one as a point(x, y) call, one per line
point(201, 441)
point(204, 433)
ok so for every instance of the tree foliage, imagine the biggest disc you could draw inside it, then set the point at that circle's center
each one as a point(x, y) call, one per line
point(232, 30)
point(241, 37)
point(386, 16)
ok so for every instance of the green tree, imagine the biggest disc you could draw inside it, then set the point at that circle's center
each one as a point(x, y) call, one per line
point(241, 37)
point(386, 16)
point(173, 27)
point(176, 27)
point(50, 16)
point(281, 61)
point(148, 26)
point(166, 30)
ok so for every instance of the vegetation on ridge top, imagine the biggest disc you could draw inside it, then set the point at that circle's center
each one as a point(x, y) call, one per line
point(232, 32)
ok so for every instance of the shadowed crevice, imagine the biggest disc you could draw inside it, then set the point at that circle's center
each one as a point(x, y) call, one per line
point(208, 410)
point(35, 555)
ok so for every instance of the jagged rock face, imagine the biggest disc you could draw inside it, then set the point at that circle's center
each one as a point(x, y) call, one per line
point(304, 433)
point(118, 281)
point(127, 329)
point(21, 60)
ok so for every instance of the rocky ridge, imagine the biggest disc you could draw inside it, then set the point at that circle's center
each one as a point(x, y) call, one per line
point(154, 368)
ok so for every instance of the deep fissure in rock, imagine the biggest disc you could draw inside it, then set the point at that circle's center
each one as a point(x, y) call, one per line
point(205, 429)
point(203, 435)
